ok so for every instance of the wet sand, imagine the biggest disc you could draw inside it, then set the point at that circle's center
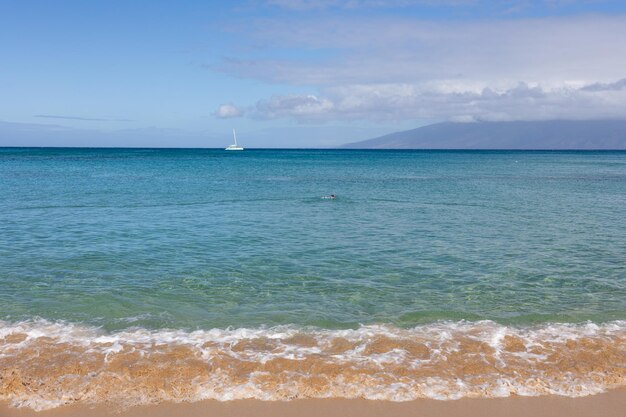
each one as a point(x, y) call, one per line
point(43, 365)
point(611, 404)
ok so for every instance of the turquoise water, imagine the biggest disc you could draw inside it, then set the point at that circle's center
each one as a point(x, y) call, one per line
point(201, 239)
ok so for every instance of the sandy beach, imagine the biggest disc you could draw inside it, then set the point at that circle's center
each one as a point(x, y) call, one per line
point(610, 404)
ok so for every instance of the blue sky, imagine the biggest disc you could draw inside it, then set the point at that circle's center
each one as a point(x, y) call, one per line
point(298, 73)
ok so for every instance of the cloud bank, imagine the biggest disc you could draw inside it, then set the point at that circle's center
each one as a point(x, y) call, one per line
point(393, 102)
point(392, 68)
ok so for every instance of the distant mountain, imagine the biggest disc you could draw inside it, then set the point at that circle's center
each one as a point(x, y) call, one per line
point(552, 134)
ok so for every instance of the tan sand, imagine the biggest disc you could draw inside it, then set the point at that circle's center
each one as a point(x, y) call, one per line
point(447, 361)
point(611, 404)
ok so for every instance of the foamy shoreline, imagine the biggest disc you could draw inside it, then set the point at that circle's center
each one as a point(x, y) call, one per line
point(610, 404)
point(45, 365)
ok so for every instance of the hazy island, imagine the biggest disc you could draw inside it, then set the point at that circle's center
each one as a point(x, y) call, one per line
point(526, 135)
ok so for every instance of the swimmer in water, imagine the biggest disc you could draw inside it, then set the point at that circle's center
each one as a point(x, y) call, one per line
point(330, 197)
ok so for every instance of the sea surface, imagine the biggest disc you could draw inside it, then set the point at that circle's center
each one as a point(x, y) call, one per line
point(141, 275)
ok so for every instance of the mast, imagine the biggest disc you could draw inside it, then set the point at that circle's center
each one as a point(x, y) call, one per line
point(235, 136)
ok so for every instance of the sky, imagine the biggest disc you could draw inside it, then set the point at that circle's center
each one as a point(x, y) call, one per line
point(299, 73)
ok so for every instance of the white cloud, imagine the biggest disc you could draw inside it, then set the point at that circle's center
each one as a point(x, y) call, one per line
point(405, 69)
point(616, 86)
point(301, 107)
point(226, 111)
point(395, 102)
point(378, 50)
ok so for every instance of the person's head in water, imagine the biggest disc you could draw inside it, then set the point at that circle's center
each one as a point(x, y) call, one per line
point(332, 196)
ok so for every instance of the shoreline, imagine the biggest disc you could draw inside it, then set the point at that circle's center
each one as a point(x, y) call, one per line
point(44, 364)
point(608, 404)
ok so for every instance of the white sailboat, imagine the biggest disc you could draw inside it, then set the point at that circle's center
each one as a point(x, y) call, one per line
point(234, 146)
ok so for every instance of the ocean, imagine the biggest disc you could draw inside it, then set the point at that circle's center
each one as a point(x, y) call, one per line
point(143, 275)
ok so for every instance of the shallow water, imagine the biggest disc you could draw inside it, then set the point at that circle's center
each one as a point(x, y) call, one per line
point(124, 241)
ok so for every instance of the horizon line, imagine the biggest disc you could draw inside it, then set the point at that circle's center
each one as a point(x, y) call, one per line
point(319, 148)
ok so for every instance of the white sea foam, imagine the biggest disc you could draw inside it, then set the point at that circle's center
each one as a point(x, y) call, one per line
point(45, 364)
